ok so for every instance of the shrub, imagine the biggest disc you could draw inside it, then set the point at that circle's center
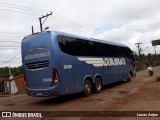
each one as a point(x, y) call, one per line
point(139, 69)
point(157, 63)
point(158, 79)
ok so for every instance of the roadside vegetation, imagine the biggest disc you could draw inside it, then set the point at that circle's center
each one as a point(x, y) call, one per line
point(4, 72)
point(139, 69)
point(22, 92)
point(158, 63)
point(158, 79)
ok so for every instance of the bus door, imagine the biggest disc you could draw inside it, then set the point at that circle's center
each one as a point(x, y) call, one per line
point(67, 74)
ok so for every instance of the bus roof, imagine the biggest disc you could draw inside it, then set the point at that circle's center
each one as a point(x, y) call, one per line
point(90, 39)
point(80, 37)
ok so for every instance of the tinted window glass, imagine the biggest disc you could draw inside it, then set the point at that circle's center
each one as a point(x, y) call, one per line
point(80, 47)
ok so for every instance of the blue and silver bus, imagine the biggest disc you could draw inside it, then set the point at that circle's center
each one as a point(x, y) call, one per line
point(57, 63)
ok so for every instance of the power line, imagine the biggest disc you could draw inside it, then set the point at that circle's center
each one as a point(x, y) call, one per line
point(38, 10)
point(12, 36)
point(10, 59)
point(19, 11)
point(10, 46)
point(3, 61)
point(6, 57)
point(71, 22)
point(40, 20)
point(13, 32)
point(24, 7)
point(10, 41)
point(73, 27)
point(21, 8)
point(41, 11)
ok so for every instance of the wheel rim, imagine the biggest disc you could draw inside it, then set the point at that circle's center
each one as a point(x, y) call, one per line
point(88, 88)
point(130, 76)
point(99, 85)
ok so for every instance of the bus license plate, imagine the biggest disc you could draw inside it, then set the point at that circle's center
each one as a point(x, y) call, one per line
point(38, 93)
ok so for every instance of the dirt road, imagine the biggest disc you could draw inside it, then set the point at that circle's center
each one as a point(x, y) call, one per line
point(142, 94)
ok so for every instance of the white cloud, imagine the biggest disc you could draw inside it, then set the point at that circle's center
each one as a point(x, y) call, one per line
point(127, 21)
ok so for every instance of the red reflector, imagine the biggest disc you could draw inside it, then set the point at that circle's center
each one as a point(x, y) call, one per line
point(56, 79)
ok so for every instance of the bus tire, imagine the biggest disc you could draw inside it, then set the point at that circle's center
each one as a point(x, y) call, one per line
point(129, 77)
point(87, 88)
point(98, 85)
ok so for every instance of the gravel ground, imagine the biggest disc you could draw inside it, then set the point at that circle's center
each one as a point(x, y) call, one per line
point(141, 94)
point(143, 98)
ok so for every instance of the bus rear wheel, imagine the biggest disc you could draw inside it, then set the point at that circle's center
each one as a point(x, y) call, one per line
point(129, 77)
point(87, 88)
point(98, 85)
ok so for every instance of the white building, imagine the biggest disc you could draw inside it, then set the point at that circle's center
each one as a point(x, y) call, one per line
point(10, 87)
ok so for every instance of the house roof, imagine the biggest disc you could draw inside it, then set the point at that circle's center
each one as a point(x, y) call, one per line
point(14, 78)
point(2, 79)
point(18, 76)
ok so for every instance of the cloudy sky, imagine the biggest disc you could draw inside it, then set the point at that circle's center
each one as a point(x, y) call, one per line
point(126, 21)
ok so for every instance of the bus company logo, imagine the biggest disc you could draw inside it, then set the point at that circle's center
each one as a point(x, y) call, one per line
point(99, 62)
point(37, 55)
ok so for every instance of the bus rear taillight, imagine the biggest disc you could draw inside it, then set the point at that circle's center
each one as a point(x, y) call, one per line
point(56, 79)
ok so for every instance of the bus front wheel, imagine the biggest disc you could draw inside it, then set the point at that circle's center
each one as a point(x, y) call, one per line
point(87, 88)
point(98, 85)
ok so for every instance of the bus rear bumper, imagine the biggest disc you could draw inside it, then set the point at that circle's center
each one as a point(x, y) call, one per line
point(52, 91)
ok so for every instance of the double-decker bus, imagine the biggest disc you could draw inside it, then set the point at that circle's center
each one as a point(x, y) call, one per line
point(57, 63)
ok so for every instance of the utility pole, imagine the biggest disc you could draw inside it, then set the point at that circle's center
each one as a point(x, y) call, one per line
point(10, 75)
point(139, 52)
point(155, 50)
point(40, 20)
point(32, 30)
point(9, 71)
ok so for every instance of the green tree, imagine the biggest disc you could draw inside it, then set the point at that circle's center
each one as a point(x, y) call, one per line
point(4, 72)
